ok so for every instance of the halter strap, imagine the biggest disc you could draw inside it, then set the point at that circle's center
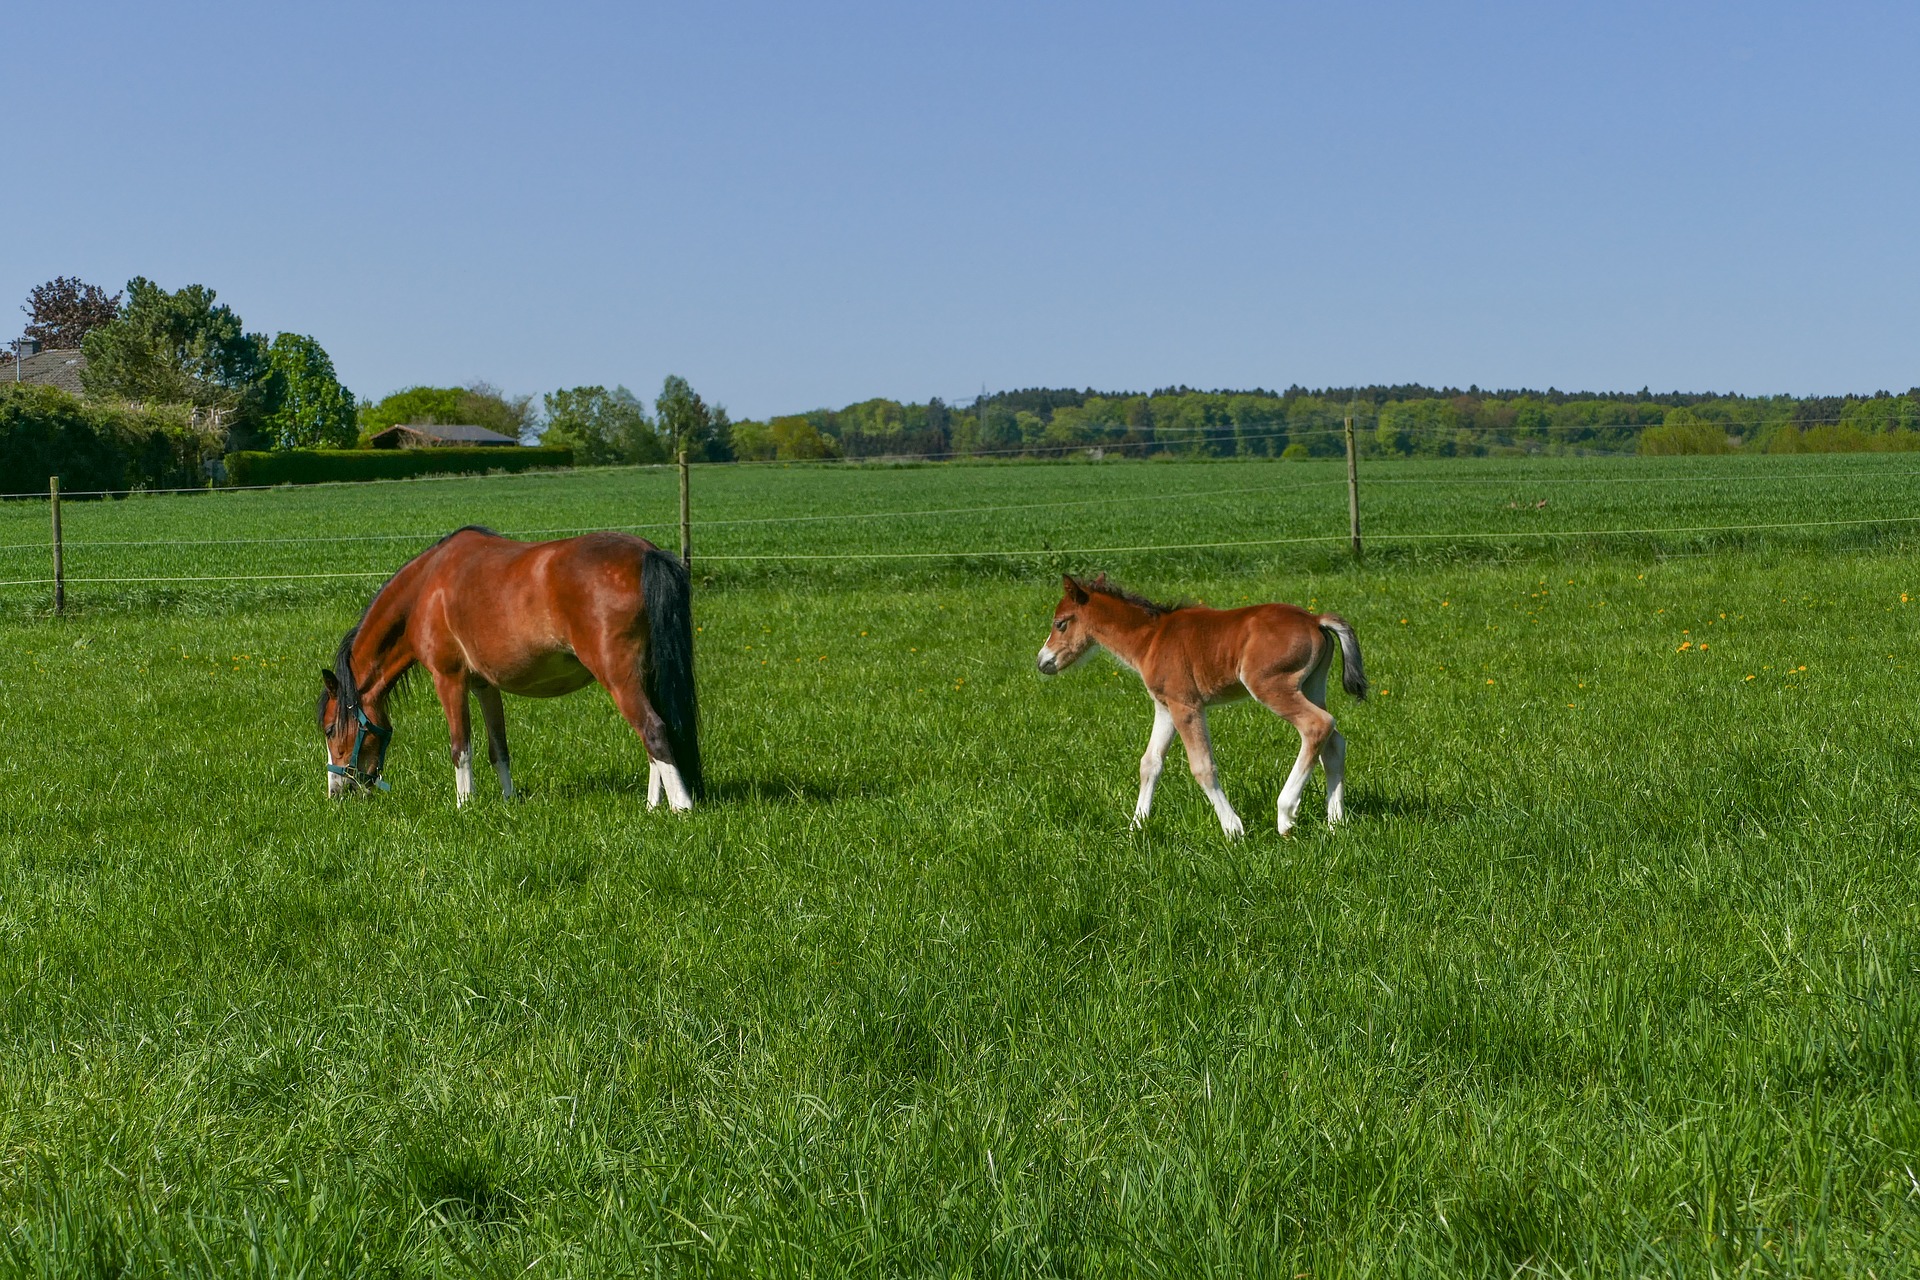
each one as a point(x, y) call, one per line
point(352, 770)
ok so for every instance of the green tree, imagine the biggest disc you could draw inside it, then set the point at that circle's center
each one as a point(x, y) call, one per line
point(753, 441)
point(478, 404)
point(411, 404)
point(688, 422)
point(796, 439)
point(602, 427)
point(311, 409)
point(1684, 431)
point(180, 348)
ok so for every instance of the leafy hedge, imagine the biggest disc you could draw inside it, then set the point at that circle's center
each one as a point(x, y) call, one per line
point(322, 466)
point(92, 445)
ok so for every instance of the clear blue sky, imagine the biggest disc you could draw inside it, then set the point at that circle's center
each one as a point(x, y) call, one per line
point(797, 205)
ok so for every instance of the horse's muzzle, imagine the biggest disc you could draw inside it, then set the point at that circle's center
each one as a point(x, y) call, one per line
point(1047, 663)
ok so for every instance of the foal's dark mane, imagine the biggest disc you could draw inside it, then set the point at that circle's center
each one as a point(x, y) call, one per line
point(343, 656)
point(1153, 608)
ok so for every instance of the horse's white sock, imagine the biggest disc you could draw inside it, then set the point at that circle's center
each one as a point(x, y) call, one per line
point(678, 797)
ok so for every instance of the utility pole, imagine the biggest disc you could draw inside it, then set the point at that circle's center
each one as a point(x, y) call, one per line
point(1353, 489)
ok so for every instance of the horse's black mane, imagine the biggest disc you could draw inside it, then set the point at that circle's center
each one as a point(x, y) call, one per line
point(343, 656)
point(1153, 608)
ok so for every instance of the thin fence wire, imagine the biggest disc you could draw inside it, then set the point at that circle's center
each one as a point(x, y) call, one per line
point(1224, 432)
point(1050, 552)
point(726, 522)
point(1189, 495)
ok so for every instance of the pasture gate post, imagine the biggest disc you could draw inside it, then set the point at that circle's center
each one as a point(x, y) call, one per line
point(1353, 489)
point(59, 556)
point(686, 523)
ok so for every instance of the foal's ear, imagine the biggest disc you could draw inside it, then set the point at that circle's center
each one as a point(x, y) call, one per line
point(330, 680)
point(1074, 589)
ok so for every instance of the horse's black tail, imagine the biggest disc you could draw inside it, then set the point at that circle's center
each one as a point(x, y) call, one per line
point(669, 602)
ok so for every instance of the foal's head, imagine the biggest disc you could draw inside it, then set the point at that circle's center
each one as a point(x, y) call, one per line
point(1070, 639)
point(356, 738)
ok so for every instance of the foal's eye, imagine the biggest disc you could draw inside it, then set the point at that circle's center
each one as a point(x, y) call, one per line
point(1060, 625)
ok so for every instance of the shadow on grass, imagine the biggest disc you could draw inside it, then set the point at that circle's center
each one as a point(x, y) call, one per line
point(1425, 806)
point(768, 788)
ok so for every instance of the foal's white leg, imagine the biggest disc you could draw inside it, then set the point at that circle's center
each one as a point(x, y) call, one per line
point(1153, 761)
point(653, 784)
point(678, 797)
point(1295, 786)
point(1192, 725)
point(1333, 757)
point(1314, 689)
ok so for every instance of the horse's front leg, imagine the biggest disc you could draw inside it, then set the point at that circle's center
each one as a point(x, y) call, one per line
point(453, 700)
point(1191, 721)
point(1153, 761)
point(494, 716)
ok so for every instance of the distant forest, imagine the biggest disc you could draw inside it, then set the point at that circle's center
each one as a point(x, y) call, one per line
point(1389, 421)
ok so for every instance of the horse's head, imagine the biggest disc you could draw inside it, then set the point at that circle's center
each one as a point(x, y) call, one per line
point(1070, 638)
point(356, 737)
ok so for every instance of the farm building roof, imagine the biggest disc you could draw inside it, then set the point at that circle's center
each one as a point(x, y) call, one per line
point(49, 369)
point(415, 434)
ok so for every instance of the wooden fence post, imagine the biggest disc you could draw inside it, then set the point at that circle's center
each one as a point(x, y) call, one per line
point(686, 521)
point(59, 552)
point(1353, 489)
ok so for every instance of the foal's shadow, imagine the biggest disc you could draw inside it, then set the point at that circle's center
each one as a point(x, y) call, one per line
point(1424, 806)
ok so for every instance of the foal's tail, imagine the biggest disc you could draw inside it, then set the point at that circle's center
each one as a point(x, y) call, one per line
point(1352, 675)
point(669, 603)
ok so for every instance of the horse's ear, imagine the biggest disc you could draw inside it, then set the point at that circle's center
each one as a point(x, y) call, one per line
point(330, 680)
point(1074, 589)
point(1100, 579)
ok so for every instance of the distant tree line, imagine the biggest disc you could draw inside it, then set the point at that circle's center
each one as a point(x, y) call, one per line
point(189, 364)
point(1390, 421)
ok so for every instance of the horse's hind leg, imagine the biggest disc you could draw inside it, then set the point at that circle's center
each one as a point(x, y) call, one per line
point(1288, 701)
point(1333, 755)
point(1333, 758)
point(494, 716)
point(662, 773)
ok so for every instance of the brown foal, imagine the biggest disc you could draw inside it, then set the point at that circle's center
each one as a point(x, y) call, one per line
point(1191, 658)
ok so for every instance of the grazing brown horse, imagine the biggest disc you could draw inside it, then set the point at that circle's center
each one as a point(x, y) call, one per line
point(1192, 657)
point(486, 614)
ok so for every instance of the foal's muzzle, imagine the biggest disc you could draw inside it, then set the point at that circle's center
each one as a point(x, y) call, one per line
point(1047, 662)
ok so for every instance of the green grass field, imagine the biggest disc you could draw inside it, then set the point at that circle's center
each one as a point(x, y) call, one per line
point(1613, 973)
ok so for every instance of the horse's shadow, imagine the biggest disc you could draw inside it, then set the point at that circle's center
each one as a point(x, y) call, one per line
point(764, 789)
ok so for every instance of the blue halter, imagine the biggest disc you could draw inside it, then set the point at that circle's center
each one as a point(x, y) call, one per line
point(352, 771)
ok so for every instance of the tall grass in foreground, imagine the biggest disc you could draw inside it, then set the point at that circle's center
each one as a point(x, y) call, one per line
point(1613, 973)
